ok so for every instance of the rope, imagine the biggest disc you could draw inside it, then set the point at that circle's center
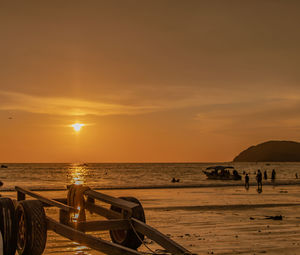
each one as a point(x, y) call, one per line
point(142, 241)
point(75, 199)
point(161, 252)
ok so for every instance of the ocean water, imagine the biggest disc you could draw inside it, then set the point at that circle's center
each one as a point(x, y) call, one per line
point(114, 175)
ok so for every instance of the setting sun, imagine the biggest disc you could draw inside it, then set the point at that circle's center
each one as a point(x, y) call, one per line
point(77, 126)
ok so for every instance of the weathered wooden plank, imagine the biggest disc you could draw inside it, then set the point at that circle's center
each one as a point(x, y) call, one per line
point(90, 226)
point(62, 200)
point(45, 200)
point(159, 238)
point(97, 244)
point(127, 205)
point(109, 214)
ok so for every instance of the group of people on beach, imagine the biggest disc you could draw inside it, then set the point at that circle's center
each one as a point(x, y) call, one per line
point(259, 178)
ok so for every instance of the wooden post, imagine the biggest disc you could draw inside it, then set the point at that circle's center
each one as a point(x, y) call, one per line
point(90, 226)
point(20, 196)
point(121, 203)
point(109, 214)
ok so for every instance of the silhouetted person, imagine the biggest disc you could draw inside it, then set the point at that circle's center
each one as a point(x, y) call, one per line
point(296, 176)
point(265, 175)
point(173, 179)
point(259, 190)
point(1, 183)
point(247, 181)
point(259, 179)
point(273, 175)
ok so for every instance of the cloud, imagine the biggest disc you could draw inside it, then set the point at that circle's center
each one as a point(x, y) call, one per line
point(66, 106)
point(219, 107)
point(140, 101)
point(268, 116)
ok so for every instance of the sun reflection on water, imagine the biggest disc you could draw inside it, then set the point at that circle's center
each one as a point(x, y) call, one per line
point(78, 174)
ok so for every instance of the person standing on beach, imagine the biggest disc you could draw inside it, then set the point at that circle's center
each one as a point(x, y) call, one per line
point(273, 174)
point(265, 175)
point(259, 179)
point(247, 181)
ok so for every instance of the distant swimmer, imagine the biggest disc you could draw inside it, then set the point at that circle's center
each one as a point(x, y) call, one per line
point(175, 180)
point(265, 175)
point(247, 181)
point(259, 179)
point(273, 175)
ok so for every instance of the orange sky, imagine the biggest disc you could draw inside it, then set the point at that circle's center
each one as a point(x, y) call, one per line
point(155, 81)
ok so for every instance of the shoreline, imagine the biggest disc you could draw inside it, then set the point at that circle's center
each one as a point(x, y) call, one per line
point(172, 186)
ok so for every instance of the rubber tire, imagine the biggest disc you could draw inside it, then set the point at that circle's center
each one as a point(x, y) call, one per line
point(130, 240)
point(7, 226)
point(35, 236)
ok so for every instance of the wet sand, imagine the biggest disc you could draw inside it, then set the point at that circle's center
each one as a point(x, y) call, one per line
point(218, 220)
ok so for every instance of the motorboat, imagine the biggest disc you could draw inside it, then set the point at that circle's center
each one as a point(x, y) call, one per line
point(222, 173)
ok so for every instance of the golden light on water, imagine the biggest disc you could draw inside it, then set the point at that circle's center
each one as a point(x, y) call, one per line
point(78, 174)
point(77, 126)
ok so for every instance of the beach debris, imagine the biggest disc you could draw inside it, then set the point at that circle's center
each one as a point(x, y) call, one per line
point(277, 217)
point(283, 191)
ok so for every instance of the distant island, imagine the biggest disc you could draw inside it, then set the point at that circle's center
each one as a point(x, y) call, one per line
point(271, 151)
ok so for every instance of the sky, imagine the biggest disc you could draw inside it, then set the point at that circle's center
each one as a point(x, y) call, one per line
point(151, 80)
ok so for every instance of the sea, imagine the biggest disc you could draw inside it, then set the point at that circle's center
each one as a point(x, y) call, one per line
point(56, 176)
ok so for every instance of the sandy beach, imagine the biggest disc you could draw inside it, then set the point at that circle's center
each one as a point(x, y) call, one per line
point(223, 220)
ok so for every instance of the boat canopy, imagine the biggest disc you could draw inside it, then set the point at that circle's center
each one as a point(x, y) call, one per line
point(219, 167)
